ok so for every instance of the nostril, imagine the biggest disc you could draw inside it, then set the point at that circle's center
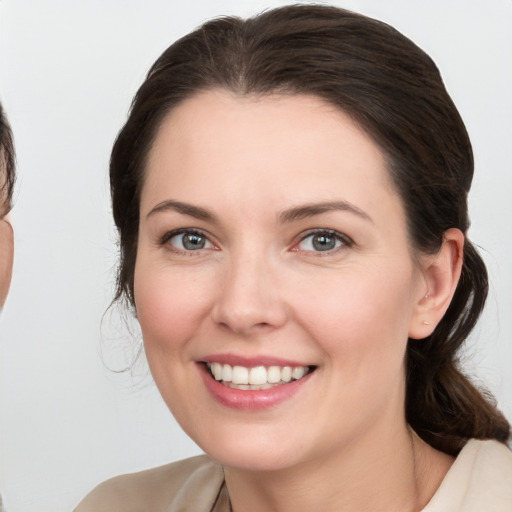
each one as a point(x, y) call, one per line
point(262, 325)
point(246, 302)
point(247, 321)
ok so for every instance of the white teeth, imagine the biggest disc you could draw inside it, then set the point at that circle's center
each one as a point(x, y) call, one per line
point(217, 371)
point(240, 375)
point(286, 374)
point(227, 373)
point(274, 374)
point(257, 377)
point(298, 372)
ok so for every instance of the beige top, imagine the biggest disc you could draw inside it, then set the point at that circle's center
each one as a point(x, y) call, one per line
point(479, 480)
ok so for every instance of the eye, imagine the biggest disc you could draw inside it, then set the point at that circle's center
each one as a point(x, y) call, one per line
point(323, 241)
point(188, 240)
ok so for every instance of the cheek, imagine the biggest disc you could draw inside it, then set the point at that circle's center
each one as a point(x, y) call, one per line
point(6, 258)
point(355, 313)
point(170, 304)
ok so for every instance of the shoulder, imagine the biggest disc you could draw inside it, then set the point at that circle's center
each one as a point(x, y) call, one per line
point(489, 464)
point(198, 478)
point(480, 479)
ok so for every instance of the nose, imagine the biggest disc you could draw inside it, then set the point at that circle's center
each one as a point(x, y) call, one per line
point(249, 300)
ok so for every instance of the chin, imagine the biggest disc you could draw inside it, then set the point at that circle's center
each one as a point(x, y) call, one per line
point(253, 460)
point(250, 448)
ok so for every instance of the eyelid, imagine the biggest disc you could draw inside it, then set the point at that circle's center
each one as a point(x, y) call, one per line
point(344, 239)
point(163, 240)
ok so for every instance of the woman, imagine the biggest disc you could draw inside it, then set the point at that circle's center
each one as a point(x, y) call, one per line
point(290, 193)
point(7, 177)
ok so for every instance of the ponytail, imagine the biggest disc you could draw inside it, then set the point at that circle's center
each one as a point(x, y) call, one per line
point(442, 405)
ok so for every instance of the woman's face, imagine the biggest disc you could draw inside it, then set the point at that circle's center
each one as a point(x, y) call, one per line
point(272, 237)
point(6, 258)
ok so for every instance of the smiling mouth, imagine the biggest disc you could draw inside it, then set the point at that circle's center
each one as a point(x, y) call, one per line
point(257, 377)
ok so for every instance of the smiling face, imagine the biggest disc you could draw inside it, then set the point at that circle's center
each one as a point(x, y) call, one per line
point(271, 237)
point(6, 258)
point(6, 233)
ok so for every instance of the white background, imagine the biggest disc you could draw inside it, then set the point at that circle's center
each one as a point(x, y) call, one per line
point(68, 71)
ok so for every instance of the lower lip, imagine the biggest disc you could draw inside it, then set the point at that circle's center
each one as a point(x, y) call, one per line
point(250, 400)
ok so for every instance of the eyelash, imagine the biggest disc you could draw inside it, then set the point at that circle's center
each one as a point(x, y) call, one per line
point(339, 238)
point(184, 231)
point(343, 240)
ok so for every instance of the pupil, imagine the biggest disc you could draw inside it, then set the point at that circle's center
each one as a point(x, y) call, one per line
point(323, 242)
point(193, 242)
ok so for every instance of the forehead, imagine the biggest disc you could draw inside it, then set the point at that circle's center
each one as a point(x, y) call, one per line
point(287, 146)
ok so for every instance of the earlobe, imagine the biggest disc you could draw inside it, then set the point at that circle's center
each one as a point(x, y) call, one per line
point(6, 258)
point(441, 274)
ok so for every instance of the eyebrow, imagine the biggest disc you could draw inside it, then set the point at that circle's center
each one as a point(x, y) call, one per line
point(286, 216)
point(310, 210)
point(183, 208)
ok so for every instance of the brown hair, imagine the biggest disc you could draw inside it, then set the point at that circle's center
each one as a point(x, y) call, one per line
point(394, 91)
point(7, 164)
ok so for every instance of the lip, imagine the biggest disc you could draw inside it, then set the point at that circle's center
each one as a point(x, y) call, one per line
point(251, 400)
point(251, 362)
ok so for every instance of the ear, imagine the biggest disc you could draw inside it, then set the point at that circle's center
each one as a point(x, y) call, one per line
point(6, 258)
point(441, 274)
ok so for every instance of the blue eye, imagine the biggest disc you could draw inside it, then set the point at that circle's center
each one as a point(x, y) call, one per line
point(188, 241)
point(321, 241)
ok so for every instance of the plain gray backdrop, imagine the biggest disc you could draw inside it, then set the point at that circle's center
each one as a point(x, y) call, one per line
point(68, 71)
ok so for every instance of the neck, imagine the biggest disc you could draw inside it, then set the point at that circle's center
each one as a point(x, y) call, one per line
point(393, 472)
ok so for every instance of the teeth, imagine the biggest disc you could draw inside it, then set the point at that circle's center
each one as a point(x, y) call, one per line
point(286, 374)
point(227, 373)
point(274, 374)
point(217, 371)
point(298, 372)
point(240, 375)
point(258, 377)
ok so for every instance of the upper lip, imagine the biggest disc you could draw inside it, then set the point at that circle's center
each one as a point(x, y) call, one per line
point(251, 361)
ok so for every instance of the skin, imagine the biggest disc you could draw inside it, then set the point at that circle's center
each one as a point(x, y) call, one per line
point(6, 252)
point(259, 288)
point(6, 238)
point(6, 258)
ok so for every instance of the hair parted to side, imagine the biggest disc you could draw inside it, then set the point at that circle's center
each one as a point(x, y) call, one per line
point(7, 165)
point(391, 89)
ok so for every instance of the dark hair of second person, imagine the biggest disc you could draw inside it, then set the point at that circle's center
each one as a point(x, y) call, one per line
point(7, 179)
point(7, 164)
